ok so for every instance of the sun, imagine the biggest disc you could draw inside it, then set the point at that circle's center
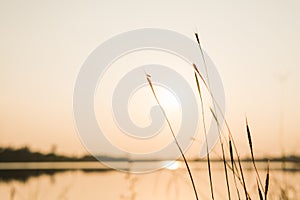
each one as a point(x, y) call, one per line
point(172, 165)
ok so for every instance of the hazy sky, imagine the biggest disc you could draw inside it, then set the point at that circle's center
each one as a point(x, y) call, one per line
point(43, 45)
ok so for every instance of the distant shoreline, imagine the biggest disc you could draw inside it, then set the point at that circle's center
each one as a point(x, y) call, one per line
point(26, 155)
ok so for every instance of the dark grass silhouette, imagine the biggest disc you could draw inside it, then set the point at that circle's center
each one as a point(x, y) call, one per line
point(173, 134)
point(235, 167)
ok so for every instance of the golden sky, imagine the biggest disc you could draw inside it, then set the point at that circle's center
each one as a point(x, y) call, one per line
point(253, 44)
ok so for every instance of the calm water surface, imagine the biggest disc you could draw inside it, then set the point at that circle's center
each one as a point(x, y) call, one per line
point(91, 180)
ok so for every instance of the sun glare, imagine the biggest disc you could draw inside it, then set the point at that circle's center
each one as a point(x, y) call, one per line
point(172, 165)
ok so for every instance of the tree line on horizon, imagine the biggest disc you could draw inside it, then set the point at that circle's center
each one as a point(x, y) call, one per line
point(24, 154)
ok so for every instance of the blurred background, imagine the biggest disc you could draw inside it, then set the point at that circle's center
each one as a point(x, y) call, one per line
point(254, 44)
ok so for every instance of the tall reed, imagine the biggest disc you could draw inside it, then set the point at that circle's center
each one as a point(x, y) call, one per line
point(215, 116)
point(173, 134)
point(252, 155)
point(235, 163)
point(242, 179)
point(232, 167)
point(232, 146)
point(267, 181)
point(205, 133)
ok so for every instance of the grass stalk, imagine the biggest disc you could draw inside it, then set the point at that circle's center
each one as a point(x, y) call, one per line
point(205, 133)
point(223, 153)
point(267, 181)
point(229, 132)
point(259, 191)
point(252, 155)
point(226, 173)
point(215, 116)
point(232, 167)
point(173, 134)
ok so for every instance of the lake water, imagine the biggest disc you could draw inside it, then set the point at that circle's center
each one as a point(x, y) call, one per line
point(92, 180)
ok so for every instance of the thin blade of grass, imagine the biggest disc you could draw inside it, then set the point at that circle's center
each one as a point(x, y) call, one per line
point(202, 78)
point(173, 134)
point(216, 103)
point(242, 179)
point(208, 86)
point(249, 138)
point(267, 181)
point(223, 154)
point(197, 38)
point(252, 154)
point(226, 173)
point(259, 191)
point(203, 58)
point(232, 166)
point(205, 133)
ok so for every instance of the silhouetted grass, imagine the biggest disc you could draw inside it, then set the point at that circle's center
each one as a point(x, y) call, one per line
point(173, 134)
point(205, 133)
point(241, 177)
point(235, 162)
point(215, 116)
point(232, 167)
point(267, 181)
point(231, 140)
point(252, 156)
point(259, 191)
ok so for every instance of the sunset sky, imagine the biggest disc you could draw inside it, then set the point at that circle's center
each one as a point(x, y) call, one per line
point(254, 44)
